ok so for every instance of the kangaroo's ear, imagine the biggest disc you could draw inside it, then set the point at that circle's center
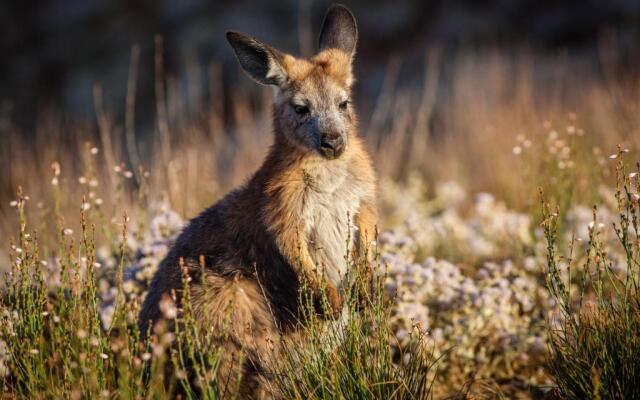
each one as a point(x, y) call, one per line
point(339, 30)
point(262, 62)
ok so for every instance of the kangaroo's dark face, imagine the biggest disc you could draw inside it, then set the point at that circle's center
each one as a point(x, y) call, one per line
point(313, 107)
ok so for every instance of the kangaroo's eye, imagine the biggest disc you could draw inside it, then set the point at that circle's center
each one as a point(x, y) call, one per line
point(343, 105)
point(301, 110)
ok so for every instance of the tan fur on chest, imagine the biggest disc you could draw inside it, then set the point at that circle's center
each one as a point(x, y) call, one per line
point(314, 206)
point(330, 205)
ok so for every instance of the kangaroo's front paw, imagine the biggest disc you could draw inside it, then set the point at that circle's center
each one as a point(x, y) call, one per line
point(334, 299)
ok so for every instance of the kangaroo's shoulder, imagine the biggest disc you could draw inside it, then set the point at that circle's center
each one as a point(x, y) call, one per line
point(213, 229)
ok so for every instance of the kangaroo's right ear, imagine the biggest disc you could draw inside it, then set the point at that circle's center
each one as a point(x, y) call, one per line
point(339, 30)
point(262, 62)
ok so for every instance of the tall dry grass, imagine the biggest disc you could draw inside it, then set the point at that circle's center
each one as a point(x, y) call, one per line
point(493, 121)
point(490, 120)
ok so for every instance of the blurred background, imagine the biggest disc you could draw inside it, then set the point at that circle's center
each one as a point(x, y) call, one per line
point(484, 92)
point(55, 51)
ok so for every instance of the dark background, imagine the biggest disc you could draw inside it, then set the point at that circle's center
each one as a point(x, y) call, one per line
point(54, 52)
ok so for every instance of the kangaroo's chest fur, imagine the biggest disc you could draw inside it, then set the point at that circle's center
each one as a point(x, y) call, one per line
point(330, 204)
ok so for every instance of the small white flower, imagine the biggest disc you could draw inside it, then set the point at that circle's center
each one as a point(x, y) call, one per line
point(104, 356)
point(168, 308)
point(613, 156)
point(128, 174)
point(633, 175)
point(56, 168)
point(67, 231)
point(516, 150)
point(13, 203)
point(34, 351)
point(146, 356)
point(94, 150)
point(82, 180)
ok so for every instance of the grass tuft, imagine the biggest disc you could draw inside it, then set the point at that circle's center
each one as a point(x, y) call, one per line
point(594, 338)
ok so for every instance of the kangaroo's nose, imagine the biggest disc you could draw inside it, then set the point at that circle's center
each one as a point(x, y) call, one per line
point(331, 145)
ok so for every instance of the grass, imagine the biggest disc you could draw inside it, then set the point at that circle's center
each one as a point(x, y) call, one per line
point(442, 131)
point(595, 338)
point(493, 122)
point(59, 346)
point(357, 356)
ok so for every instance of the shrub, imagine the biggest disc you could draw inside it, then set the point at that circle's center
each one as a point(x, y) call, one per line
point(59, 347)
point(595, 336)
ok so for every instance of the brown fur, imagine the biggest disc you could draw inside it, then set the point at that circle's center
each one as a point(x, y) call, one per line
point(260, 241)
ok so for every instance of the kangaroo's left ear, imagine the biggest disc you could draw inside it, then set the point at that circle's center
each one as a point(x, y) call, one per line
point(261, 61)
point(339, 30)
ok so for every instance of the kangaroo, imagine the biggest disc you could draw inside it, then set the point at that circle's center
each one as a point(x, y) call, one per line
point(290, 222)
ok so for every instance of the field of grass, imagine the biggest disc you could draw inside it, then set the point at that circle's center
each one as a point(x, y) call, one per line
point(486, 287)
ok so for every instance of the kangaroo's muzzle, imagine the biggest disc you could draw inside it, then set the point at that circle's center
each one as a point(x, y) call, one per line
point(331, 145)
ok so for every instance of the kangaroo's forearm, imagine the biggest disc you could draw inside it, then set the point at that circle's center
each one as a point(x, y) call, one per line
point(366, 221)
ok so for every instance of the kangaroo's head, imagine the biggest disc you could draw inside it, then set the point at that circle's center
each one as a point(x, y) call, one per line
point(312, 109)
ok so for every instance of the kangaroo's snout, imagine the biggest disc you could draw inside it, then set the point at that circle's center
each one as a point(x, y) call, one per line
point(331, 145)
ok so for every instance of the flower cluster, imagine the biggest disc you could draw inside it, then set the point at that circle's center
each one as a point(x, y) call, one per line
point(484, 313)
point(148, 246)
point(488, 231)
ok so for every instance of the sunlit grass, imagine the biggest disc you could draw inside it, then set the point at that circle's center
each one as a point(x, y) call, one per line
point(595, 337)
point(59, 346)
point(464, 290)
